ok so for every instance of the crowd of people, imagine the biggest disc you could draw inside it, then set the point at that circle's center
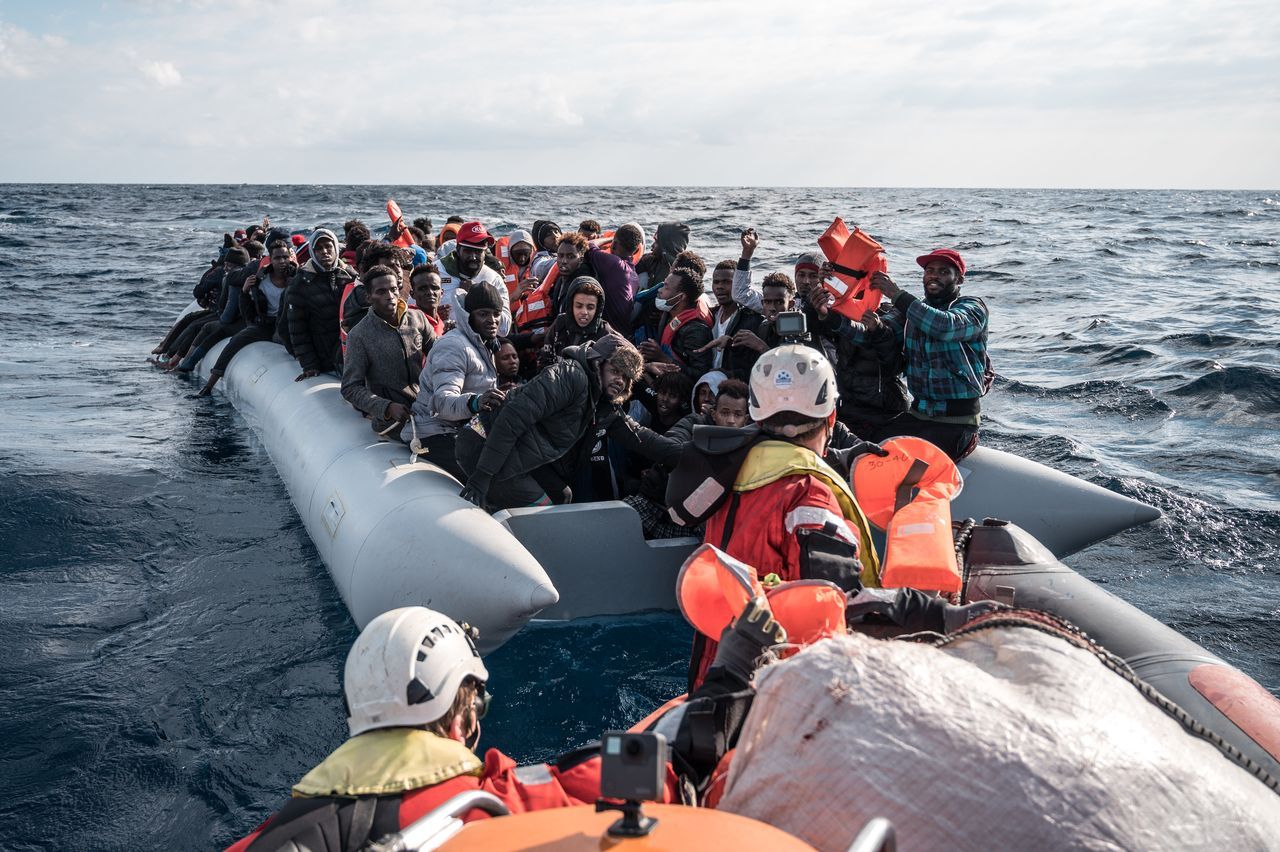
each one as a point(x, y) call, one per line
point(546, 366)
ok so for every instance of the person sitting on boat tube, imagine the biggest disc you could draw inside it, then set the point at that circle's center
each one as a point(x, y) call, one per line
point(460, 378)
point(781, 508)
point(416, 690)
point(469, 263)
point(385, 353)
point(535, 446)
point(313, 300)
point(944, 340)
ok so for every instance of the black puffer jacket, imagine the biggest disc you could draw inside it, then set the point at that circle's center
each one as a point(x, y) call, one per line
point(564, 332)
point(738, 360)
point(544, 420)
point(313, 299)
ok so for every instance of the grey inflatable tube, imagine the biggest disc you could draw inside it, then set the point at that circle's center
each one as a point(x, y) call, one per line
point(1006, 564)
point(391, 531)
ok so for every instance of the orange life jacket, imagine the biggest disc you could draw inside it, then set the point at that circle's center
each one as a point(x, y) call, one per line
point(511, 273)
point(908, 494)
point(855, 257)
point(698, 313)
point(536, 309)
point(405, 239)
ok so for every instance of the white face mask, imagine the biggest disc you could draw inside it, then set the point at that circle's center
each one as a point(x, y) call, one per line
point(661, 304)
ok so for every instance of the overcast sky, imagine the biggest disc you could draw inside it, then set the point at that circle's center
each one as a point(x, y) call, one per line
point(1061, 93)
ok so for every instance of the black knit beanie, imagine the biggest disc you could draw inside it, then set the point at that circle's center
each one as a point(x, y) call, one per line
point(481, 295)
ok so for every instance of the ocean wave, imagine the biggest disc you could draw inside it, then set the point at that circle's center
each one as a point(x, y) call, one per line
point(1104, 396)
point(1253, 389)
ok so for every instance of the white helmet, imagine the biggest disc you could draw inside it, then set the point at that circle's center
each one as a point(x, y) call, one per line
point(792, 378)
point(406, 667)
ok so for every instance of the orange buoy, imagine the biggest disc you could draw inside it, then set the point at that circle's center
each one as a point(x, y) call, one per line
point(908, 494)
point(854, 257)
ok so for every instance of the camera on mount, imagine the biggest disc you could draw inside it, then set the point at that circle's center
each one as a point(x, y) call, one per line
point(792, 327)
point(633, 767)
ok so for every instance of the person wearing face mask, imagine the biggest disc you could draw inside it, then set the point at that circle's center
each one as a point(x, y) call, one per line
point(459, 379)
point(943, 338)
point(686, 321)
point(313, 302)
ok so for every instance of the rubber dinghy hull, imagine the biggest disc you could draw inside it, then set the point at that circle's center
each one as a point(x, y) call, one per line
point(392, 533)
point(1004, 563)
point(614, 571)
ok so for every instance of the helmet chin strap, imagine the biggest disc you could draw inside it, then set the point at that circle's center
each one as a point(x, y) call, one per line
point(473, 738)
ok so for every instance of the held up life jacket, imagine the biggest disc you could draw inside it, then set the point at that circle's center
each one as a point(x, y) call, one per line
point(855, 257)
point(405, 238)
point(697, 313)
point(536, 309)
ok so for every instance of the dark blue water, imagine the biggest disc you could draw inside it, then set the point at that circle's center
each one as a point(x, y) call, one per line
point(173, 644)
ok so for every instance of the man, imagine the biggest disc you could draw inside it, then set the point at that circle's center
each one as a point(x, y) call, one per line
point(617, 275)
point(425, 286)
point(734, 353)
point(260, 307)
point(534, 447)
point(944, 340)
point(686, 321)
point(466, 266)
point(746, 294)
point(785, 511)
point(313, 301)
point(459, 379)
point(590, 229)
point(416, 690)
point(385, 353)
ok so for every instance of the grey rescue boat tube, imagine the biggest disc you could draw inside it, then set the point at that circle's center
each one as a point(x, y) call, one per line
point(392, 532)
point(1006, 564)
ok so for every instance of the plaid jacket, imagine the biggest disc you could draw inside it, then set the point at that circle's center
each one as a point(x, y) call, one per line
point(945, 348)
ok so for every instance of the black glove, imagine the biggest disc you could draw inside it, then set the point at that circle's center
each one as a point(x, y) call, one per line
point(842, 460)
point(955, 617)
point(473, 494)
point(743, 644)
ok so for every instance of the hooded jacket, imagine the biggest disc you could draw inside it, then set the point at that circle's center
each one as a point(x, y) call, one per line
point(313, 299)
point(564, 332)
point(542, 422)
point(460, 366)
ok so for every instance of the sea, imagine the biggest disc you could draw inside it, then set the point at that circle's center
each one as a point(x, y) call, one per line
point(173, 645)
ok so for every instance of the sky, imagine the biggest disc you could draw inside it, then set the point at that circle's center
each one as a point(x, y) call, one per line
point(1056, 93)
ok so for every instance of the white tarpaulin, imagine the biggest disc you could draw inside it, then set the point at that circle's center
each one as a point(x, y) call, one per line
point(1007, 738)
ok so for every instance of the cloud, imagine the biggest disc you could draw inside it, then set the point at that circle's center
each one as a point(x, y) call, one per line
point(674, 92)
point(163, 74)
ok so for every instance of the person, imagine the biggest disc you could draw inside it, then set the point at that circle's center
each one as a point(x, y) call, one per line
point(770, 304)
point(685, 322)
point(704, 393)
point(517, 264)
point(590, 229)
point(944, 340)
point(546, 237)
point(313, 302)
point(426, 289)
point(729, 408)
point(416, 691)
point(260, 307)
point(182, 338)
point(617, 274)
point(789, 513)
point(507, 362)
point(385, 354)
point(467, 266)
point(222, 320)
point(581, 322)
point(355, 296)
point(669, 240)
point(727, 320)
point(459, 379)
point(532, 451)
